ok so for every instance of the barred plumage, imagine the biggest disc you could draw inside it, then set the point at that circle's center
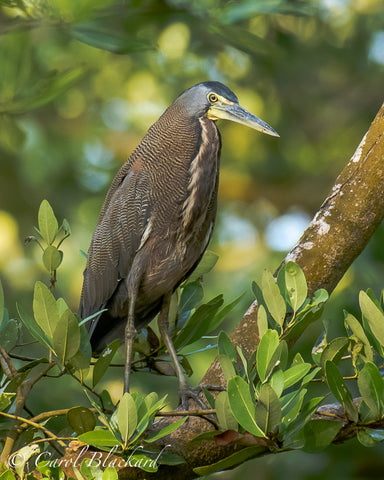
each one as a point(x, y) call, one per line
point(157, 218)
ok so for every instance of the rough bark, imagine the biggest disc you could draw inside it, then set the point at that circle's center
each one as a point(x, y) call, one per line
point(337, 234)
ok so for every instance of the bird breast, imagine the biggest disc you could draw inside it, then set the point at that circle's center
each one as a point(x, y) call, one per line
point(186, 223)
point(203, 170)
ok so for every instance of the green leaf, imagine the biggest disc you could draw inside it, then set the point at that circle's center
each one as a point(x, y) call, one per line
point(6, 400)
point(81, 419)
point(268, 410)
point(208, 395)
point(150, 400)
point(242, 405)
point(295, 284)
point(249, 373)
point(300, 419)
point(320, 433)
point(119, 36)
point(104, 360)
point(81, 360)
point(310, 376)
point(45, 309)
point(50, 85)
point(206, 264)
point(23, 455)
point(356, 327)
point(191, 296)
point(221, 314)
point(106, 400)
point(258, 294)
point(90, 470)
point(52, 258)
point(110, 473)
point(358, 332)
point(127, 417)
point(33, 328)
point(371, 387)
point(61, 306)
point(320, 297)
point(303, 320)
point(267, 347)
point(295, 373)
point(227, 356)
point(66, 337)
point(279, 358)
point(148, 417)
point(7, 475)
point(262, 320)
point(224, 414)
point(340, 390)
point(272, 296)
point(297, 359)
point(48, 226)
point(365, 438)
point(99, 439)
point(276, 381)
point(334, 350)
point(291, 405)
point(198, 324)
point(66, 227)
point(373, 315)
point(143, 462)
point(231, 461)
point(166, 430)
point(9, 335)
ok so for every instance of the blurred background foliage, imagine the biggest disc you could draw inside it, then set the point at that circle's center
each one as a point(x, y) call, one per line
point(81, 82)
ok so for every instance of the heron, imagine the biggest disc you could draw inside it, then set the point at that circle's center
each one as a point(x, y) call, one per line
point(157, 220)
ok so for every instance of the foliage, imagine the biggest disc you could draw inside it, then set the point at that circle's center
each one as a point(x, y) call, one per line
point(64, 342)
point(269, 396)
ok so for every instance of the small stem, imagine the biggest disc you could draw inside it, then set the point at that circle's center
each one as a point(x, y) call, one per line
point(86, 386)
point(32, 424)
point(182, 413)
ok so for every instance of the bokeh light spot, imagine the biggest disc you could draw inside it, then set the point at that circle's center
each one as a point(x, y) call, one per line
point(283, 232)
point(376, 51)
point(174, 40)
point(71, 105)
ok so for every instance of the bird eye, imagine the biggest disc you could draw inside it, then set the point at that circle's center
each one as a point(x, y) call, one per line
point(213, 98)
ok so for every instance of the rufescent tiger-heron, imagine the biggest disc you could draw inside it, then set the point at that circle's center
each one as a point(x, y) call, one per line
point(157, 220)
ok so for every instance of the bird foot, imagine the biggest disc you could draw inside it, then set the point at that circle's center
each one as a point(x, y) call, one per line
point(189, 393)
point(193, 393)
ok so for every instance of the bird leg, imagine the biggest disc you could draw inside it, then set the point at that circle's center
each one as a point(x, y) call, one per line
point(130, 334)
point(185, 390)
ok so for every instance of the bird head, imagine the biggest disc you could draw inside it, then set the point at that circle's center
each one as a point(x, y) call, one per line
point(216, 101)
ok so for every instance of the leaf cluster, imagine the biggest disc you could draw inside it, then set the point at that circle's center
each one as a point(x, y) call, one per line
point(269, 402)
point(63, 338)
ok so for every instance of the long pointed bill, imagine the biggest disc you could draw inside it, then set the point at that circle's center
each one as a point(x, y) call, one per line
point(236, 113)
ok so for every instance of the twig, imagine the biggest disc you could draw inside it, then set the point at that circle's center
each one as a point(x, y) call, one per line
point(182, 413)
point(53, 413)
point(33, 424)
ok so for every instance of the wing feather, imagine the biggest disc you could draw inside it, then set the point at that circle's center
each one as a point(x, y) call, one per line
point(117, 237)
